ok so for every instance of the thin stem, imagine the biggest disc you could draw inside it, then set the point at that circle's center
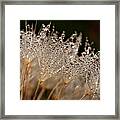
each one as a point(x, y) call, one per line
point(41, 93)
point(36, 90)
point(53, 89)
point(60, 92)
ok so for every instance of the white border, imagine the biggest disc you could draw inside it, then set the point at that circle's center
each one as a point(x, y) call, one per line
point(104, 13)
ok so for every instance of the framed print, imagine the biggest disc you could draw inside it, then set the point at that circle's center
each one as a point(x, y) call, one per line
point(60, 59)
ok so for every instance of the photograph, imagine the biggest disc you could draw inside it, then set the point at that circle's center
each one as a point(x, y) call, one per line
point(60, 59)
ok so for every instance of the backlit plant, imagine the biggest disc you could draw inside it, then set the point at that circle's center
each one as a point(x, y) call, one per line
point(50, 67)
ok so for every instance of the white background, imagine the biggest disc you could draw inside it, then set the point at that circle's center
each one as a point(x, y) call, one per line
point(104, 13)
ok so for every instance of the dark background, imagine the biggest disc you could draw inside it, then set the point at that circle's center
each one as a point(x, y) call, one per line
point(89, 28)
